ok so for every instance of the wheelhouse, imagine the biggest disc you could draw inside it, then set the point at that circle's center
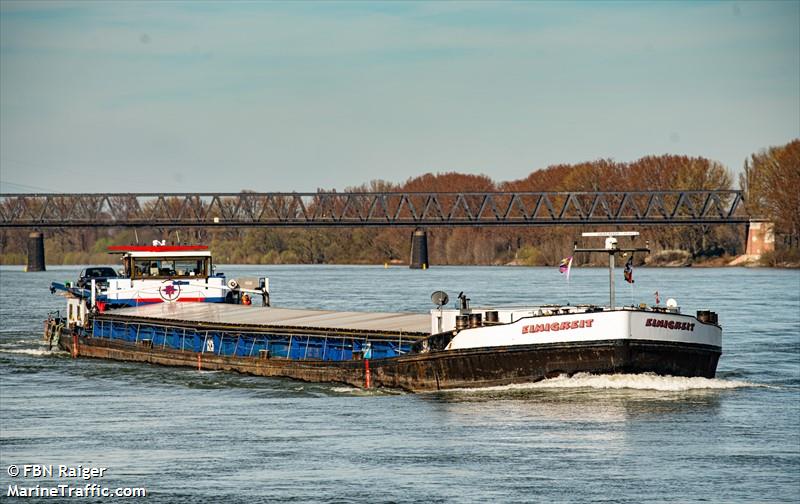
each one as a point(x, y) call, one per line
point(165, 262)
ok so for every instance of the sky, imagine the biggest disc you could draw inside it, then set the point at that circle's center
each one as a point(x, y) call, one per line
point(270, 96)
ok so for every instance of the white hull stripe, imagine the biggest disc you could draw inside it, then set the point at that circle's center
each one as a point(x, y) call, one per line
point(616, 325)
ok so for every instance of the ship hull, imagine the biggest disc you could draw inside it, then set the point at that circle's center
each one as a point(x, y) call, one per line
point(448, 369)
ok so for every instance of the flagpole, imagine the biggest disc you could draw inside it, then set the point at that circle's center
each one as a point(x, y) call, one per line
point(628, 274)
point(565, 267)
point(632, 296)
point(569, 269)
point(630, 264)
point(632, 303)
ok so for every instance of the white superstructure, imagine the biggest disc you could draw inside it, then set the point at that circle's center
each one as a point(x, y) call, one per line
point(521, 326)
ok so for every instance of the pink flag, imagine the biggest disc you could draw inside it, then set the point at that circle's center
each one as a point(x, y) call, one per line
point(565, 266)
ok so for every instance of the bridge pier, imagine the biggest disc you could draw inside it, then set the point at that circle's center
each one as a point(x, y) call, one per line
point(35, 252)
point(760, 237)
point(419, 249)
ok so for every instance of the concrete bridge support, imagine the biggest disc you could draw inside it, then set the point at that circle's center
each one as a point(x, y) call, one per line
point(35, 252)
point(760, 237)
point(419, 249)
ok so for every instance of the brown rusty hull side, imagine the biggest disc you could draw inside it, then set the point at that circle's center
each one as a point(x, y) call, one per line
point(521, 364)
point(479, 367)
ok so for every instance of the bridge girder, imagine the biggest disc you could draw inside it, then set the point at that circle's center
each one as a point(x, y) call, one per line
point(330, 209)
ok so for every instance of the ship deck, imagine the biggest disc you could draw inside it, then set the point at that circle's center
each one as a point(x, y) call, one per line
point(249, 316)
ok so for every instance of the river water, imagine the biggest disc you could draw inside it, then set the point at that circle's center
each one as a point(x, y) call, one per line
point(189, 436)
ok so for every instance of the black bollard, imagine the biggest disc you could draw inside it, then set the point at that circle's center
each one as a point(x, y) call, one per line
point(35, 252)
point(419, 249)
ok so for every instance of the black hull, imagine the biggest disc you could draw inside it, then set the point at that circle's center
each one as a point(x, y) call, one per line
point(477, 367)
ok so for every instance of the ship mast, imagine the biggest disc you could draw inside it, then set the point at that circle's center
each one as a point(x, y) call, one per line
point(611, 249)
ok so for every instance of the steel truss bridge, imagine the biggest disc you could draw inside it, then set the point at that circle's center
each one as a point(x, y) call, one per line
point(326, 209)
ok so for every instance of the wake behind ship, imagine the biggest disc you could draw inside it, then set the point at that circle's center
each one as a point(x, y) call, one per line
point(170, 308)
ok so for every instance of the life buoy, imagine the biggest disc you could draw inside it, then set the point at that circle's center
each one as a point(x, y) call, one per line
point(246, 300)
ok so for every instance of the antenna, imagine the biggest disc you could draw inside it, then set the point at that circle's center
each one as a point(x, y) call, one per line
point(611, 248)
point(440, 298)
point(463, 302)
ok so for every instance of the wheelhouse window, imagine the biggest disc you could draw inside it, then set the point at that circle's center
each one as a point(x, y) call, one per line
point(173, 267)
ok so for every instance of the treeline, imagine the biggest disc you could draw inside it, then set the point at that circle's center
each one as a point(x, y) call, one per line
point(770, 180)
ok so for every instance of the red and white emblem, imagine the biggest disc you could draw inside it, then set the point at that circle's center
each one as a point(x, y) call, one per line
point(170, 292)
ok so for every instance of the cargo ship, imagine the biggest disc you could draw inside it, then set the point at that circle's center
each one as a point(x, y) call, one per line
point(170, 307)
